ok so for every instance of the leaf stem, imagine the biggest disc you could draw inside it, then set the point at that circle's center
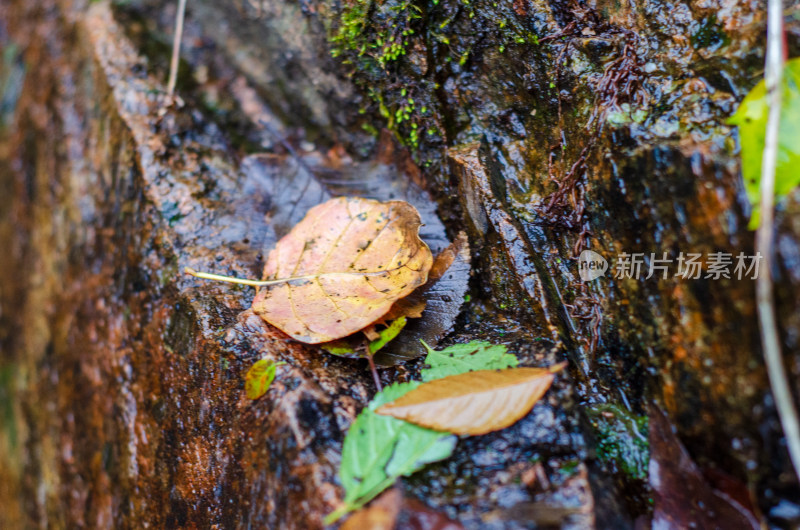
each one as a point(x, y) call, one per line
point(229, 279)
point(770, 340)
point(374, 373)
point(262, 283)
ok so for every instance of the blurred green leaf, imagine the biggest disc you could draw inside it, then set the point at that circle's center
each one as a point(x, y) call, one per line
point(751, 118)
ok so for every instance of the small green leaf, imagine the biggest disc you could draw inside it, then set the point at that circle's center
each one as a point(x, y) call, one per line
point(353, 347)
point(379, 449)
point(751, 118)
point(461, 358)
point(345, 347)
point(259, 378)
point(387, 334)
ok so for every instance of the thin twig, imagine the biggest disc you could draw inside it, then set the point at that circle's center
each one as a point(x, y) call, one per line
point(176, 48)
point(374, 371)
point(766, 304)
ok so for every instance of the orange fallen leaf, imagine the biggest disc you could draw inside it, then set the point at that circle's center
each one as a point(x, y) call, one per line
point(352, 259)
point(392, 510)
point(340, 269)
point(474, 402)
point(381, 514)
point(414, 304)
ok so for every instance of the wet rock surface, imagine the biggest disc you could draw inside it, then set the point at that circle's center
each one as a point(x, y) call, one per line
point(125, 378)
point(542, 128)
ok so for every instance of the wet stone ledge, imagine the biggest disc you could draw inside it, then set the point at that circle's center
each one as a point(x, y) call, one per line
point(124, 378)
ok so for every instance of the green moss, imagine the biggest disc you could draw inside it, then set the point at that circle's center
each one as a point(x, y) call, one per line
point(386, 46)
point(621, 439)
point(8, 373)
point(373, 34)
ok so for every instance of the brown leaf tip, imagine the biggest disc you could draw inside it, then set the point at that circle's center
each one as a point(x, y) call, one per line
point(558, 367)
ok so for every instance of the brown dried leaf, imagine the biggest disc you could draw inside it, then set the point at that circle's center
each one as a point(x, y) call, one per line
point(381, 514)
point(393, 511)
point(443, 296)
point(682, 497)
point(342, 267)
point(371, 331)
point(474, 402)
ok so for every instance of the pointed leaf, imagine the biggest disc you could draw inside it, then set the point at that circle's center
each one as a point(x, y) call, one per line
point(474, 402)
point(342, 267)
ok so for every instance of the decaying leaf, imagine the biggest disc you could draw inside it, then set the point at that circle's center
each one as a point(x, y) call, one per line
point(682, 497)
point(461, 358)
point(259, 378)
point(475, 402)
point(343, 266)
point(443, 296)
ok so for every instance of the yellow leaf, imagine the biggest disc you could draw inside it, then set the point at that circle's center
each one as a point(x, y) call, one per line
point(474, 402)
point(342, 267)
point(259, 377)
point(413, 305)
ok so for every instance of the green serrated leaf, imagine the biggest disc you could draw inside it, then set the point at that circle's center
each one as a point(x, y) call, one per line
point(387, 334)
point(379, 449)
point(751, 118)
point(259, 378)
point(461, 358)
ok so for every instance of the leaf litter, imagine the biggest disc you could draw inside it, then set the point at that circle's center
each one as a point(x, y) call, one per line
point(379, 448)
